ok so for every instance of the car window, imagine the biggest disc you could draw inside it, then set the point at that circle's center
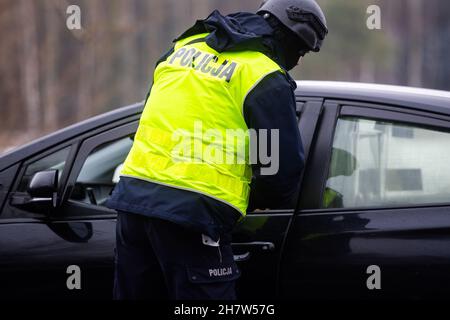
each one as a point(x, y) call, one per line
point(378, 163)
point(54, 161)
point(100, 172)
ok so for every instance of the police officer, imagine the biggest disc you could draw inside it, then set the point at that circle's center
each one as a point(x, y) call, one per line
point(177, 198)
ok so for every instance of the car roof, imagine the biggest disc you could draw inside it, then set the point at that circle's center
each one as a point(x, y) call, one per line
point(409, 97)
point(415, 98)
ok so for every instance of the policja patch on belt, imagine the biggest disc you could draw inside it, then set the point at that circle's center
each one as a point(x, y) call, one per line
point(223, 272)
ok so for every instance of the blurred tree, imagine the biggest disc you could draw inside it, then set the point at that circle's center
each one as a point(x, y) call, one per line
point(11, 103)
point(87, 59)
point(351, 52)
point(436, 44)
point(30, 66)
point(51, 56)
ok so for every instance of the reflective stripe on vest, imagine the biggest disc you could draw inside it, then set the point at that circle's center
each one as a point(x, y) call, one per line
point(193, 122)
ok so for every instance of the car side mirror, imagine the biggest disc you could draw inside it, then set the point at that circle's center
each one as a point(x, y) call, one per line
point(42, 192)
point(43, 187)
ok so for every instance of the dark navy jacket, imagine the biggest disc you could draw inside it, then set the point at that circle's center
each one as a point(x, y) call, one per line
point(270, 105)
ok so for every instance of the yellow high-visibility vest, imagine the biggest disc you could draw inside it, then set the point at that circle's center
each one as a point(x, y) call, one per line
point(192, 134)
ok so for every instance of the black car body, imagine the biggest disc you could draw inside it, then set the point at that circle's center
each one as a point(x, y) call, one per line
point(375, 193)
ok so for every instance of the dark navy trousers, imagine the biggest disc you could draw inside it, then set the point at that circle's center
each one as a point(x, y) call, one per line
point(158, 259)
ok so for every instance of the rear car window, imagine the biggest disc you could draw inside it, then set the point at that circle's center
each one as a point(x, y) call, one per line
point(380, 163)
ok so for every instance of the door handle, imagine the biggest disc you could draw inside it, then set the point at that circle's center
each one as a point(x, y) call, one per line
point(241, 257)
point(260, 245)
point(251, 246)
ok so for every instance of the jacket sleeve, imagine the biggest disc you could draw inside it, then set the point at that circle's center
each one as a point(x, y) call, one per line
point(271, 106)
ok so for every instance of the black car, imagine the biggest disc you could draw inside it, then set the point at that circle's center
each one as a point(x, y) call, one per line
point(372, 218)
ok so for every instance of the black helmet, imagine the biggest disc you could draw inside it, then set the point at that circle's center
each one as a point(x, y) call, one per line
point(304, 17)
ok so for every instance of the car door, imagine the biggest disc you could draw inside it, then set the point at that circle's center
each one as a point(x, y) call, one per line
point(31, 254)
point(374, 213)
point(81, 231)
point(93, 177)
point(257, 242)
point(40, 252)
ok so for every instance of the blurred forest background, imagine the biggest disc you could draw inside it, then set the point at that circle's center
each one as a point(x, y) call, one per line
point(51, 77)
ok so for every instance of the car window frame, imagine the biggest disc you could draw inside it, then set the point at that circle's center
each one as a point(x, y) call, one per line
point(86, 147)
point(308, 110)
point(24, 163)
point(8, 177)
point(75, 142)
point(312, 202)
point(28, 161)
point(319, 154)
